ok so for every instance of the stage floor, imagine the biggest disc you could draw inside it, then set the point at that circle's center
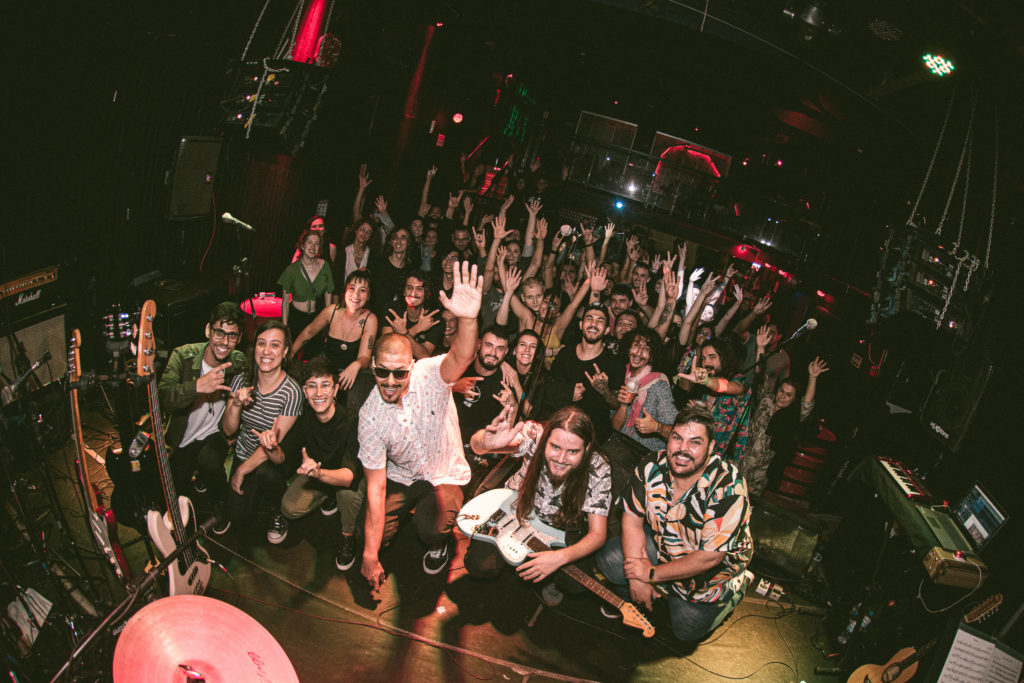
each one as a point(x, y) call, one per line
point(447, 627)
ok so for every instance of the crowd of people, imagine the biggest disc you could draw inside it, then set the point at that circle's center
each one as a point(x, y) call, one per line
point(479, 329)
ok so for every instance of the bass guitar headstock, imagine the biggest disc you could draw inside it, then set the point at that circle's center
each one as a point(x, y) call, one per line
point(145, 356)
point(631, 616)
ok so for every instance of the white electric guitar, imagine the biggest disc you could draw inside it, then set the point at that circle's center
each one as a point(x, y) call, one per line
point(490, 517)
point(190, 574)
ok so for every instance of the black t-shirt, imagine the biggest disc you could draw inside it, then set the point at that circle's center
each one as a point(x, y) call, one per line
point(568, 369)
point(333, 444)
point(476, 412)
point(388, 282)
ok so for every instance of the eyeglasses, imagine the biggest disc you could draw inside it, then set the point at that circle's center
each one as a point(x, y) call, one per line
point(382, 373)
point(219, 334)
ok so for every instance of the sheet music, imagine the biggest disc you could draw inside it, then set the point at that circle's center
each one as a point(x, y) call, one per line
point(973, 659)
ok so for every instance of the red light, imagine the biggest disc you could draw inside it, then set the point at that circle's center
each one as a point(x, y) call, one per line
point(779, 162)
point(615, 102)
point(457, 117)
point(439, 24)
point(440, 140)
point(821, 294)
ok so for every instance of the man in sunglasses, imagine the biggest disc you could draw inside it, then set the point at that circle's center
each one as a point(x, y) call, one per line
point(192, 392)
point(409, 441)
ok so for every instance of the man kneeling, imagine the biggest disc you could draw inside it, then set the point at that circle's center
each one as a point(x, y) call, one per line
point(323, 444)
point(567, 487)
point(685, 531)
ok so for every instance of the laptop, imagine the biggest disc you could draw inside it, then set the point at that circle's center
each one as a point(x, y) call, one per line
point(970, 524)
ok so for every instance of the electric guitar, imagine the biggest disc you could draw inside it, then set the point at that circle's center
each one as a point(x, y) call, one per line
point(903, 665)
point(191, 572)
point(102, 522)
point(490, 517)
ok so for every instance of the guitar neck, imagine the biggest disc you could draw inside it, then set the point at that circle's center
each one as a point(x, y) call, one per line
point(581, 577)
point(83, 455)
point(166, 476)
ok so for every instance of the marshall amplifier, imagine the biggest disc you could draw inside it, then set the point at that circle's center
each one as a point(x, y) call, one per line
point(36, 308)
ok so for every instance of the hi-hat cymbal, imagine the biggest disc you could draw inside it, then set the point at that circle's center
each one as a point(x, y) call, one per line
point(195, 638)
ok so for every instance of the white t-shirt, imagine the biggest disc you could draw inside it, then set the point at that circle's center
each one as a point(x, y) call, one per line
point(204, 419)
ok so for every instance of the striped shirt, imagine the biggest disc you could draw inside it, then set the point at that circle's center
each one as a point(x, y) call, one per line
point(418, 440)
point(285, 400)
point(714, 515)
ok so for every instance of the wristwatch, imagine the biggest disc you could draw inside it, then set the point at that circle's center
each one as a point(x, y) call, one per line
point(650, 576)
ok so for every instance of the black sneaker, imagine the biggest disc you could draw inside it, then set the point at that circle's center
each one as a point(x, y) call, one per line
point(278, 529)
point(346, 556)
point(436, 559)
point(329, 506)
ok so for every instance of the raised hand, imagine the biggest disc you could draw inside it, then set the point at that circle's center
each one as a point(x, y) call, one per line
point(364, 177)
point(764, 337)
point(507, 203)
point(763, 305)
point(598, 279)
point(431, 172)
point(817, 367)
point(588, 234)
point(670, 259)
point(670, 284)
point(710, 284)
point(479, 238)
point(466, 292)
point(540, 231)
point(453, 200)
point(466, 385)
point(656, 262)
point(633, 247)
point(512, 279)
point(467, 204)
point(511, 377)
point(268, 437)
point(213, 381)
point(499, 228)
point(730, 272)
point(398, 323)
point(507, 396)
point(347, 377)
point(695, 275)
point(501, 431)
point(426, 321)
point(681, 250)
point(309, 467)
point(640, 296)
point(599, 380)
point(533, 207)
point(381, 204)
point(609, 230)
point(737, 292)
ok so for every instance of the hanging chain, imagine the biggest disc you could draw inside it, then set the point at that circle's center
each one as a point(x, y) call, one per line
point(995, 185)
point(282, 49)
point(967, 187)
point(949, 295)
point(295, 27)
point(931, 164)
point(972, 265)
point(252, 35)
point(330, 12)
point(959, 166)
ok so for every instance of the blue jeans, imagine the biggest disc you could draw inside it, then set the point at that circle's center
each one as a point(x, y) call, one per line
point(691, 621)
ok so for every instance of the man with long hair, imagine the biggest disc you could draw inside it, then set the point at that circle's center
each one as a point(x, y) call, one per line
point(685, 531)
point(564, 481)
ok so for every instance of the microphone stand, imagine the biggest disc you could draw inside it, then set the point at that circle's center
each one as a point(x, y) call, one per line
point(134, 590)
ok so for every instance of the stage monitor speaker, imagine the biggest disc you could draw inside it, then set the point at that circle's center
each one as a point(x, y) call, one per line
point(195, 169)
point(951, 404)
point(782, 538)
point(36, 310)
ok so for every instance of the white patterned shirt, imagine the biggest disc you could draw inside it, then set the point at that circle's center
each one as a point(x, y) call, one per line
point(418, 440)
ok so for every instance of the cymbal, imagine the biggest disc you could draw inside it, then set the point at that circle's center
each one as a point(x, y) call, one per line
point(196, 638)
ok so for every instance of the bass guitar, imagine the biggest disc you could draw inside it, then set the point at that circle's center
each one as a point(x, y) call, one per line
point(490, 517)
point(903, 665)
point(102, 522)
point(191, 572)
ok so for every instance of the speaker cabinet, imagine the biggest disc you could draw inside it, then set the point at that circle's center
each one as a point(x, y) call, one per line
point(782, 538)
point(951, 404)
point(195, 169)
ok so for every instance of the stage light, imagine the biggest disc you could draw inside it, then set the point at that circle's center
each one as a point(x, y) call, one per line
point(779, 162)
point(457, 117)
point(938, 65)
point(631, 188)
point(619, 204)
point(439, 24)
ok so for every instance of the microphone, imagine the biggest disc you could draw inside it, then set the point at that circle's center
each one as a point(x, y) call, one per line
point(9, 391)
point(809, 325)
point(228, 218)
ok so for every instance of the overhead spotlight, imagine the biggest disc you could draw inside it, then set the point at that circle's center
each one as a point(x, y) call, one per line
point(457, 117)
point(938, 65)
point(813, 19)
point(619, 204)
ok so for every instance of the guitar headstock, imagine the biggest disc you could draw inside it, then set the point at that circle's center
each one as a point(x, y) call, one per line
point(986, 609)
point(74, 367)
point(632, 617)
point(145, 357)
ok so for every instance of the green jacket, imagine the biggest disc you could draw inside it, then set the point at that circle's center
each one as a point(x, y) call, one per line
point(177, 386)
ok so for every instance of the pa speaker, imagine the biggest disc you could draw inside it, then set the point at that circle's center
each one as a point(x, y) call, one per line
point(954, 398)
point(195, 168)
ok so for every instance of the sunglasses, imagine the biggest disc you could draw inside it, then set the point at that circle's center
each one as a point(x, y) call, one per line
point(383, 373)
